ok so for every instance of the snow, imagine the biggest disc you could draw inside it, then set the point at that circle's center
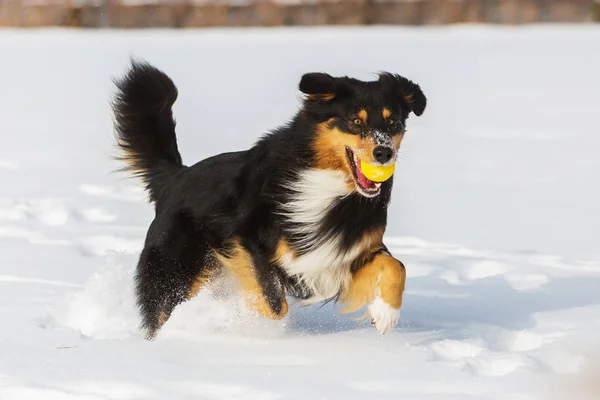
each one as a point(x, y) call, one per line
point(495, 214)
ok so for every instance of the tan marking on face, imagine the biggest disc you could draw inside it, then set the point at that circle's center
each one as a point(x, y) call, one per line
point(385, 113)
point(363, 115)
point(409, 97)
point(321, 97)
point(239, 263)
point(397, 139)
point(383, 275)
point(330, 149)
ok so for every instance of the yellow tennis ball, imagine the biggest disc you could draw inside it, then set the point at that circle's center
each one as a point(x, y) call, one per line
point(377, 173)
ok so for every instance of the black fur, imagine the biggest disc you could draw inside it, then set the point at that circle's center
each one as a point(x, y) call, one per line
point(143, 106)
point(405, 87)
point(201, 207)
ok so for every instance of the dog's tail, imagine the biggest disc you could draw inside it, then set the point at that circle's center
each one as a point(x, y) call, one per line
point(145, 127)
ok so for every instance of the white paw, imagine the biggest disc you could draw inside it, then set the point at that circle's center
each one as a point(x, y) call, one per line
point(383, 316)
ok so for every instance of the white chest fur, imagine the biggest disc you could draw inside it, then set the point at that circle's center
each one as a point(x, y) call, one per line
point(323, 267)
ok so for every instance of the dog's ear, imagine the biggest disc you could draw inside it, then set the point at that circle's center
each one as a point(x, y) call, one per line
point(407, 90)
point(318, 86)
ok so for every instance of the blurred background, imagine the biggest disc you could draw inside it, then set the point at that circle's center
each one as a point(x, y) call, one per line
point(207, 13)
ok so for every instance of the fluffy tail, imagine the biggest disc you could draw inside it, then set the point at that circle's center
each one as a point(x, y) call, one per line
point(144, 125)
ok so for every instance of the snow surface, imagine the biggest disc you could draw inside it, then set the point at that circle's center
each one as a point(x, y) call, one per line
point(495, 213)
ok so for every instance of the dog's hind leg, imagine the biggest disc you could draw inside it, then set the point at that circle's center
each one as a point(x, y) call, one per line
point(152, 293)
point(162, 285)
point(258, 279)
point(170, 271)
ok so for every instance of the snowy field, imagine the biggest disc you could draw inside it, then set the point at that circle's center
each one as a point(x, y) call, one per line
point(496, 213)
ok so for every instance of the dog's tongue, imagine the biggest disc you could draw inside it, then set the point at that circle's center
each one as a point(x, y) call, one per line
point(363, 180)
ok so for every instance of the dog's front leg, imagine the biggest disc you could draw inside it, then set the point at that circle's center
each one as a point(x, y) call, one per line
point(379, 284)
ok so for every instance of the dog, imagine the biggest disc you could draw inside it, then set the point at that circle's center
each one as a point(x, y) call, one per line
point(295, 215)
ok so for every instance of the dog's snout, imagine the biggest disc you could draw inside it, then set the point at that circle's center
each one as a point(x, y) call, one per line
point(383, 154)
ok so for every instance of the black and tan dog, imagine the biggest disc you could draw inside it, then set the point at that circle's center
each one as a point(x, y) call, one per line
point(301, 213)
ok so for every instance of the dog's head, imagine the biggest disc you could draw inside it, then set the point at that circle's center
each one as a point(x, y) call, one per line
point(360, 125)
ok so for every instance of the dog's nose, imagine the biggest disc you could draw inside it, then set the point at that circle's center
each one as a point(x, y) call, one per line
point(383, 154)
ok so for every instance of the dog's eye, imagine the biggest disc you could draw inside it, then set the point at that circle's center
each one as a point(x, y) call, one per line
point(357, 121)
point(391, 122)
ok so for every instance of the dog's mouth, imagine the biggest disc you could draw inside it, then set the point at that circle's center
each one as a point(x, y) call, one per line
point(365, 186)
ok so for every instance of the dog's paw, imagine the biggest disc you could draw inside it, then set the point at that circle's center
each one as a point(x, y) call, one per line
point(383, 316)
